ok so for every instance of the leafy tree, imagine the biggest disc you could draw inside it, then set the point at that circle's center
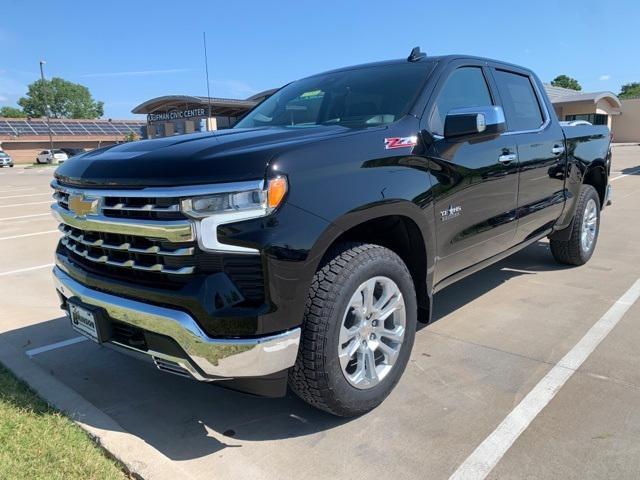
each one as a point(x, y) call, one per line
point(66, 100)
point(566, 82)
point(630, 90)
point(12, 112)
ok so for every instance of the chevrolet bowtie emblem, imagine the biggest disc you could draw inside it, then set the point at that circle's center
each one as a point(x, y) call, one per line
point(81, 205)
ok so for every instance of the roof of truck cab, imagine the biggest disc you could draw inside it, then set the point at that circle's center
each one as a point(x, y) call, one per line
point(425, 59)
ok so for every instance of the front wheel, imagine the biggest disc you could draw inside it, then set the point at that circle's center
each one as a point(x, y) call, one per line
point(358, 330)
point(579, 248)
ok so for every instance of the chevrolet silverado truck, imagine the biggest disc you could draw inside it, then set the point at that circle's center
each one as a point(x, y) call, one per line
point(301, 247)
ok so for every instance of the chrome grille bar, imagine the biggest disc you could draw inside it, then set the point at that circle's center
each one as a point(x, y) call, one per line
point(149, 207)
point(104, 259)
point(126, 246)
point(170, 230)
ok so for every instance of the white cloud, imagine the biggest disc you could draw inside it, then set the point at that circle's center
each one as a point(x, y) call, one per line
point(604, 77)
point(138, 73)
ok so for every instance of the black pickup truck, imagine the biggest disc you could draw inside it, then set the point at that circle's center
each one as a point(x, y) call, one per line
point(301, 246)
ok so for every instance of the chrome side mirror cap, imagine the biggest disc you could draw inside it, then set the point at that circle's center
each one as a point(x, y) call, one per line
point(474, 121)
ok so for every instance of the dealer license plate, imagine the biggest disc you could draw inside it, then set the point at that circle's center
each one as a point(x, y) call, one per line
point(84, 321)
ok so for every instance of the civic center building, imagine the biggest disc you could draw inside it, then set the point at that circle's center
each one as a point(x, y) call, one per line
point(178, 114)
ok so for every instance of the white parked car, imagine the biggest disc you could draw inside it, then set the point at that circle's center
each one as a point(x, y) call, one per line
point(51, 156)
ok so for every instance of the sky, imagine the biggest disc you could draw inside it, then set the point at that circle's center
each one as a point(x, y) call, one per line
point(127, 52)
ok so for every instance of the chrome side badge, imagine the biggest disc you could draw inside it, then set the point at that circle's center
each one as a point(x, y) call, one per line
point(450, 213)
point(400, 142)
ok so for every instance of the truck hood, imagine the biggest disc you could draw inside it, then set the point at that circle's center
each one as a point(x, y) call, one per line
point(213, 157)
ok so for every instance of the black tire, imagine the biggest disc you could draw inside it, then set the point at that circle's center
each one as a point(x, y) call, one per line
point(317, 376)
point(571, 251)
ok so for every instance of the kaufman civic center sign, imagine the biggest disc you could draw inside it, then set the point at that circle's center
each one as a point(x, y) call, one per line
point(176, 115)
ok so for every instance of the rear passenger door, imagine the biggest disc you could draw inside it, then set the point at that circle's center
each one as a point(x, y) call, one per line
point(540, 145)
point(474, 188)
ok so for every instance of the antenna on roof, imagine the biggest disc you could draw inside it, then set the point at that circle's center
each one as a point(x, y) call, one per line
point(206, 68)
point(416, 55)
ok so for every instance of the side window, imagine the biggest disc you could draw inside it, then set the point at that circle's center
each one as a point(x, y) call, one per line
point(521, 107)
point(466, 87)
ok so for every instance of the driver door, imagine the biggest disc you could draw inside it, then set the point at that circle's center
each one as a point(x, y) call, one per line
point(476, 176)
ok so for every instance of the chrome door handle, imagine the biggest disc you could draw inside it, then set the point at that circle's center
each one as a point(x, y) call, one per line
point(507, 158)
point(556, 150)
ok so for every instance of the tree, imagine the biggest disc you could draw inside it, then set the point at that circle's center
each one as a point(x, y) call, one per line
point(566, 82)
point(630, 90)
point(66, 100)
point(12, 112)
point(130, 137)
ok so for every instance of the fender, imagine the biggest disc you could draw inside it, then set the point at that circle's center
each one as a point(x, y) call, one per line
point(421, 218)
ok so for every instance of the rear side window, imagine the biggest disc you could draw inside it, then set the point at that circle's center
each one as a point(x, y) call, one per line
point(466, 87)
point(521, 107)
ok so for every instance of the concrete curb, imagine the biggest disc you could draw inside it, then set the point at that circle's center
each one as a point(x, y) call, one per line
point(139, 458)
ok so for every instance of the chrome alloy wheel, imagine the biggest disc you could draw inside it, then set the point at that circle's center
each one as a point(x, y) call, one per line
point(372, 332)
point(589, 225)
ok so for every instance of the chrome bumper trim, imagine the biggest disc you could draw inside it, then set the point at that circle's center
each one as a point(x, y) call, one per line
point(227, 358)
point(171, 230)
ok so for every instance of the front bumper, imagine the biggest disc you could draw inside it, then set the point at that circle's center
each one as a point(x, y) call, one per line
point(205, 358)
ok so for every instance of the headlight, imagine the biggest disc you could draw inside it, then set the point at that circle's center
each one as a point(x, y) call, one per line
point(249, 201)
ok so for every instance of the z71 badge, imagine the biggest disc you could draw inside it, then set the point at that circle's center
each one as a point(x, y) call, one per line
point(400, 142)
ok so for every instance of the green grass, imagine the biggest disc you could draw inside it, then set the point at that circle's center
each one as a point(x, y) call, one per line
point(38, 442)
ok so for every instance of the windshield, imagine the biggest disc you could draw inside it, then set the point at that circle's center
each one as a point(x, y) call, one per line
point(2, 154)
point(355, 98)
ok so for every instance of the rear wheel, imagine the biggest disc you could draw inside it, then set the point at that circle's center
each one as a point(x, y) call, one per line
point(579, 248)
point(358, 330)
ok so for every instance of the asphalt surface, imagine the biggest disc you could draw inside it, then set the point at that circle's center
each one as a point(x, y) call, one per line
point(498, 334)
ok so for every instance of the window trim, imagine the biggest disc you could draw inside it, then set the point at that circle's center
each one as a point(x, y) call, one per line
point(536, 92)
point(428, 112)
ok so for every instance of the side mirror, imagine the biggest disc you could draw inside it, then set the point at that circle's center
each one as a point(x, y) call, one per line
point(474, 121)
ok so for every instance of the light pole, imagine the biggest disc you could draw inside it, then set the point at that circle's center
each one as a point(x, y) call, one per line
point(46, 105)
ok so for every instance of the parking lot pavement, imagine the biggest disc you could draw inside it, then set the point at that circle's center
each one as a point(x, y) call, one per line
point(498, 336)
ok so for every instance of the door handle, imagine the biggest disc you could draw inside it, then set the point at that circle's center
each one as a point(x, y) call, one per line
point(507, 158)
point(557, 150)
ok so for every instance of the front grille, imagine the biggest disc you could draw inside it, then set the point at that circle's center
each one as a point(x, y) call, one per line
point(109, 242)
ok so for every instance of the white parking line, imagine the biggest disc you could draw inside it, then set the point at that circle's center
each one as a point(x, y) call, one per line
point(28, 269)
point(25, 216)
point(29, 234)
point(28, 203)
point(632, 172)
point(17, 189)
point(55, 346)
point(484, 458)
point(26, 195)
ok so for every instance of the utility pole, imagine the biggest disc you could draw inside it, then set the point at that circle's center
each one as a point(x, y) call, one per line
point(46, 105)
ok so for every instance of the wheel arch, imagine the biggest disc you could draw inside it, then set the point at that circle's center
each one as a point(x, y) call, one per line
point(596, 176)
point(400, 226)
